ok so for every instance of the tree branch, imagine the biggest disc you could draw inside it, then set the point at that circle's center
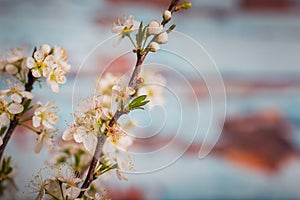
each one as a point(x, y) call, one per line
point(14, 123)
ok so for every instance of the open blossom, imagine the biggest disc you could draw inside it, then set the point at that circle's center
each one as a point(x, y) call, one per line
point(124, 26)
point(45, 138)
point(14, 63)
point(45, 115)
point(106, 82)
point(16, 93)
point(90, 121)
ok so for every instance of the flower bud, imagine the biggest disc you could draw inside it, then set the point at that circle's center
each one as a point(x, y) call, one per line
point(154, 46)
point(167, 15)
point(162, 38)
point(155, 27)
point(185, 5)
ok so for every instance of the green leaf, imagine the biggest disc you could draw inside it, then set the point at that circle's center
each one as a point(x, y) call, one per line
point(27, 105)
point(139, 36)
point(138, 102)
point(172, 27)
point(2, 131)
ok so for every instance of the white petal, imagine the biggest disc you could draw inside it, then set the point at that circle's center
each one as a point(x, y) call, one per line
point(68, 133)
point(117, 40)
point(16, 98)
point(11, 69)
point(39, 56)
point(47, 125)
point(36, 121)
point(45, 48)
point(49, 60)
point(54, 85)
point(117, 29)
point(27, 95)
point(30, 62)
point(15, 108)
point(80, 135)
point(4, 118)
point(1, 141)
point(36, 73)
point(90, 143)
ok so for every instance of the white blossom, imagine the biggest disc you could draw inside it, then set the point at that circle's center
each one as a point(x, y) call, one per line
point(123, 27)
point(45, 115)
point(153, 87)
point(45, 138)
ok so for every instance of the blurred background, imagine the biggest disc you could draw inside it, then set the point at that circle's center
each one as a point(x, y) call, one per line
point(256, 46)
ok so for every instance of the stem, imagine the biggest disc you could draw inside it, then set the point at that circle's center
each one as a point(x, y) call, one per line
point(29, 128)
point(132, 41)
point(14, 123)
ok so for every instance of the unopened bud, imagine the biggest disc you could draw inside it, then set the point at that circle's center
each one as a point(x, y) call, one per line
point(154, 46)
point(167, 15)
point(155, 27)
point(185, 5)
point(162, 38)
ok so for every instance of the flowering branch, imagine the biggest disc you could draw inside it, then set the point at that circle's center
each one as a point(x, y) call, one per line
point(101, 139)
point(15, 122)
point(160, 37)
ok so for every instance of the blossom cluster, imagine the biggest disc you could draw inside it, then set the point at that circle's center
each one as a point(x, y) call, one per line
point(49, 63)
point(124, 27)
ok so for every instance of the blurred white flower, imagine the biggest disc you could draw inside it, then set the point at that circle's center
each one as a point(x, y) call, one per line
point(45, 138)
point(153, 87)
point(123, 27)
point(123, 93)
point(106, 82)
point(155, 27)
point(45, 115)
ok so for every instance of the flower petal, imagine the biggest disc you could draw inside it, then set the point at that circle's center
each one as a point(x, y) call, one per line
point(16, 98)
point(36, 121)
point(15, 108)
